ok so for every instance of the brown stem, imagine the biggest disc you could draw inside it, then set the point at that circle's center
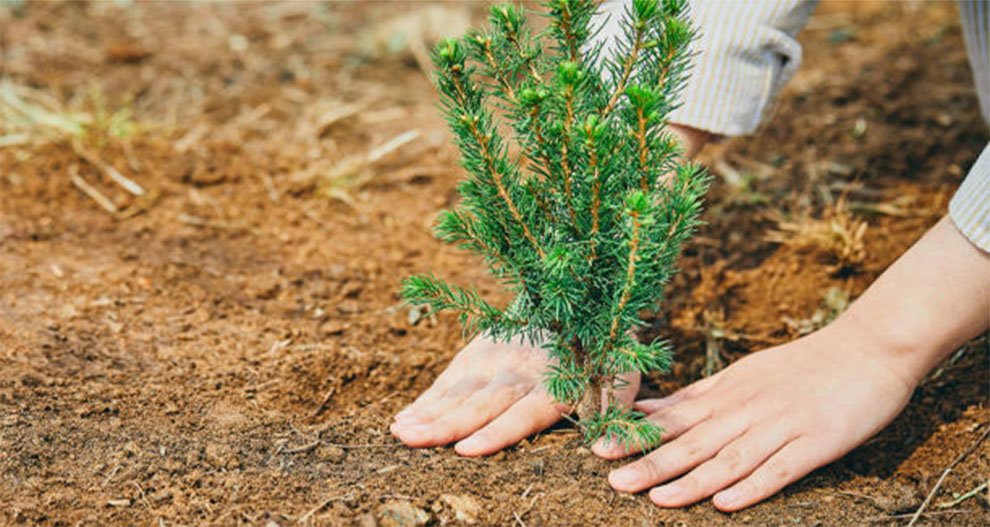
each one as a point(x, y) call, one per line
point(630, 278)
point(514, 39)
point(626, 72)
point(564, 163)
point(668, 61)
point(486, 153)
point(596, 188)
point(502, 192)
point(641, 138)
point(565, 18)
point(501, 78)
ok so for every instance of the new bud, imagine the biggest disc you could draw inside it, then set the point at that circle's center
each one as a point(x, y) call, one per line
point(568, 73)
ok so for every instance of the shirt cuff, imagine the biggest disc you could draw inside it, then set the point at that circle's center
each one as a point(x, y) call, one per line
point(743, 56)
point(970, 206)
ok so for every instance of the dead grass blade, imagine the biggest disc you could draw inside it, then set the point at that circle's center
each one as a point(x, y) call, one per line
point(111, 172)
point(357, 171)
point(91, 191)
point(946, 472)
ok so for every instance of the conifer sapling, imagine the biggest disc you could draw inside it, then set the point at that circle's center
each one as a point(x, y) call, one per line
point(584, 224)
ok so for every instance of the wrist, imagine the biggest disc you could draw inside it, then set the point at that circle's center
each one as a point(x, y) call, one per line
point(692, 140)
point(907, 357)
point(928, 303)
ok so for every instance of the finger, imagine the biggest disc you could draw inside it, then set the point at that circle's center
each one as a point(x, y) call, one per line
point(675, 420)
point(733, 462)
point(649, 406)
point(697, 445)
point(531, 414)
point(454, 374)
point(459, 419)
point(626, 395)
point(441, 398)
point(789, 464)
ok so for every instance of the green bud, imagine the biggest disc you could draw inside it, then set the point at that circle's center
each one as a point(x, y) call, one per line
point(568, 73)
point(591, 122)
point(530, 97)
point(556, 261)
point(678, 32)
point(637, 203)
point(507, 17)
point(640, 96)
point(449, 53)
point(481, 38)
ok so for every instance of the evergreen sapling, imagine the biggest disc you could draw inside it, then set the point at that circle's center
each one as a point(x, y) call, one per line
point(585, 224)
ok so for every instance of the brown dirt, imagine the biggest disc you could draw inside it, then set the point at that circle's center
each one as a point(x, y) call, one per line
point(169, 368)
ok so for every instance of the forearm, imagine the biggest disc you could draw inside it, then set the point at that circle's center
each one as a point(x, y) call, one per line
point(933, 299)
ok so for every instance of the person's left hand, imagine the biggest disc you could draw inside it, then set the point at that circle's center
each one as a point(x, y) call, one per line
point(764, 422)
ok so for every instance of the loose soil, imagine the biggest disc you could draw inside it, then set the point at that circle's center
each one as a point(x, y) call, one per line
point(231, 353)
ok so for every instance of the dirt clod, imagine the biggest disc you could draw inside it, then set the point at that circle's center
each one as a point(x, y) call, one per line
point(333, 454)
point(221, 456)
point(397, 513)
point(466, 508)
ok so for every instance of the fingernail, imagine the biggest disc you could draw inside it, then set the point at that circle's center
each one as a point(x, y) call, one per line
point(727, 498)
point(614, 448)
point(623, 478)
point(470, 444)
point(664, 493)
point(408, 417)
point(396, 429)
point(606, 449)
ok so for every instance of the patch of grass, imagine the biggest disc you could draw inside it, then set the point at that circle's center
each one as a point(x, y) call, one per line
point(838, 233)
point(32, 117)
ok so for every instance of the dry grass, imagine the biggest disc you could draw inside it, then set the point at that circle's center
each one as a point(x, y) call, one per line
point(32, 117)
point(838, 233)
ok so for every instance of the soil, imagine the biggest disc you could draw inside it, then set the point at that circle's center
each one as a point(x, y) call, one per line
point(229, 351)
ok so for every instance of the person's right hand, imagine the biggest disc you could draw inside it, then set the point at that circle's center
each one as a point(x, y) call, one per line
point(490, 396)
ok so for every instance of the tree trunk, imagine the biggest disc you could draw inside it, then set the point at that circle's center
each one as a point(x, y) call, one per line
point(591, 403)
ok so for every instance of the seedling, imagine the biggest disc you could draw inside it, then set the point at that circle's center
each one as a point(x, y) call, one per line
point(585, 225)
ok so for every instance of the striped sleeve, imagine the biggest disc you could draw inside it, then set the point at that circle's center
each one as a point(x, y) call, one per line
point(975, 18)
point(970, 206)
point(744, 54)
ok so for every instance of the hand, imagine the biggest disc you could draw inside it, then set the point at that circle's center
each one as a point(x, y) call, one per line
point(774, 416)
point(764, 422)
point(490, 396)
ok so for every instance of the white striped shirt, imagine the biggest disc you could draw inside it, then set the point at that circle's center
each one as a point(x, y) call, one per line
point(746, 52)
